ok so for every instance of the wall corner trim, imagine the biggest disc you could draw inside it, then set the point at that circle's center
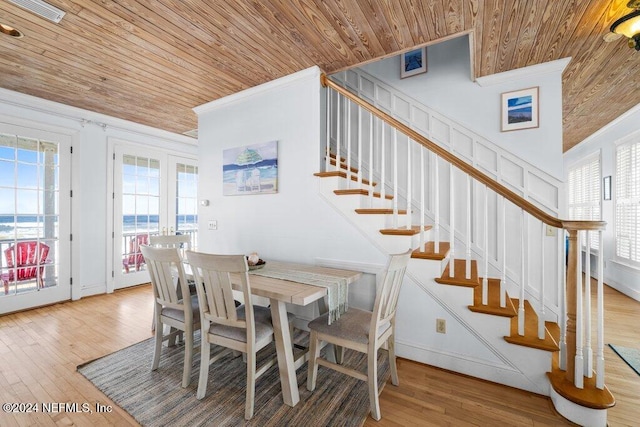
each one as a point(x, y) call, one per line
point(239, 96)
point(524, 72)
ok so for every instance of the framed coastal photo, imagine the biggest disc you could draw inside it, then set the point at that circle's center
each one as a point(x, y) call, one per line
point(520, 109)
point(250, 169)
point(413, 62)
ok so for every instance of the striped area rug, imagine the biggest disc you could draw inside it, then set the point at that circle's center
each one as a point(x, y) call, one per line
point(156, 398)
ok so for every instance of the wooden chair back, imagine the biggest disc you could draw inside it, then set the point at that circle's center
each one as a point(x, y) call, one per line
point(167, 273)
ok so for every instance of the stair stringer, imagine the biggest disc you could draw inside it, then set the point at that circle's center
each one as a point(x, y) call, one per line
point(513, 365)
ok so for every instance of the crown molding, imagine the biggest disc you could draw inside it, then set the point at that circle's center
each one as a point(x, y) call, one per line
point(524, 73)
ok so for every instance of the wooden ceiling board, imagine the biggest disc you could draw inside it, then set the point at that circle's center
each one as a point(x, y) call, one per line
point(152, 61)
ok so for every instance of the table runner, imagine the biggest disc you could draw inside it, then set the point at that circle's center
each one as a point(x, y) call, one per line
point(337, 288)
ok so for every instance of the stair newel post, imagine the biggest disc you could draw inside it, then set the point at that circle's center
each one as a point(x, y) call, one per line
point(383, 164)
point(579, 318)
point(359, 174)
point(588, 351)
point(485, 280)
point(467, 272)
point(521, 311)
point(503, 279)
point(572, 302)
point(541, 314)
point(338, 129)
point(600, 311)
point(562, 280)
point(328, 150)
point(409, 182)
point(395, 178)
point(422, 197)
point(348, 143)
point(452, 223)
point(436, 203)
point(371, 144)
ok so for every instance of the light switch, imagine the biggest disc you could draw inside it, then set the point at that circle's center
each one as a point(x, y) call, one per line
point(213, 224)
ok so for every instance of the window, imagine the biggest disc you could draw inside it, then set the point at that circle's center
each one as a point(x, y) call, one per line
point(627, 223)
point(584, 193)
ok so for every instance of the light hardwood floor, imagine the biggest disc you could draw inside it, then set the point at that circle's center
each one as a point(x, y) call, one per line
point(40, 349)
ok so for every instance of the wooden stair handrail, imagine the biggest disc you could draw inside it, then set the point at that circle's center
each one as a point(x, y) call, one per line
point(464, 166)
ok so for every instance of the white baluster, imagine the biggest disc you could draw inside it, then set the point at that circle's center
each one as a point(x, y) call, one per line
point(503, 279)
point(436, 204)
point(541, 314)
point(579, 360)
point(467, 273)
point(328, 152)
point(338, 130)
point(600, 310)
point(562, 279)
point(359, 174)
point(383, 165)
point(485, 277)
point(588, 351)
point(452, 223)
point(371, 145)
point(348, 143)
point(395, 178)
point(422, 197)
point(521, 312)
point(409, 181)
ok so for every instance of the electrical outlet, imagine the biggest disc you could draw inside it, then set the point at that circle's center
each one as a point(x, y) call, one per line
point(441, 326)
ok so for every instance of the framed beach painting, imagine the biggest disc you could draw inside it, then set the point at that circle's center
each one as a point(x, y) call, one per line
point(413, 62)
point(520, 109)
point(250, 169)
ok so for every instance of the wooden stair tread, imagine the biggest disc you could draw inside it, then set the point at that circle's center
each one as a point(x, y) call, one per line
point(530, 338)
point(375, 211)
point(590, 396)
point(361, 192)
point(459, 278)
point(343, 165)
point(429, 251)
point(342, 174)
point(493, 300)
point(403, 231)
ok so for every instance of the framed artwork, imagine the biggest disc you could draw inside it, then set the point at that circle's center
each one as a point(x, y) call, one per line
point(250, 169)
point(606, 187)
point(520, 109)
point(413, 62)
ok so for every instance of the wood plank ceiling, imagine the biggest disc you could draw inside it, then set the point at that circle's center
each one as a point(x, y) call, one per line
point(152, 61)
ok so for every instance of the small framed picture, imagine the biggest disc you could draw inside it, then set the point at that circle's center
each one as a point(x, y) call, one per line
point(606, 187)
point(520, 109)
point(413, 62)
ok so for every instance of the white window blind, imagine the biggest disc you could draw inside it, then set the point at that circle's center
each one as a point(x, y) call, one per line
point(627, 224)
point(584, 193)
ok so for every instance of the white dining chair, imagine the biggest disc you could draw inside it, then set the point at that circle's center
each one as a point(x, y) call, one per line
point(169, 283)
point(363, 331)
point(246, 329)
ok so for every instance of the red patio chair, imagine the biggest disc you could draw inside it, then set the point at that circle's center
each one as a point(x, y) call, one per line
point(26, 262)
point(135, 257)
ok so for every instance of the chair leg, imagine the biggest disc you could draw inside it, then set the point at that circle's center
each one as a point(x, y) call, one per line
point(392, 360)
point(338, 352)
point(156, 353)
point(314, 353)
point(205, 349)
point(372, 379)
point(251, 385)
point(173, 332)
point(188, 357)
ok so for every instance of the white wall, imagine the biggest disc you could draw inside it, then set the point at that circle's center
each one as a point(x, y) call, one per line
point(91, 246)
point(447, 88)
point(294, 224)
point(622, 277)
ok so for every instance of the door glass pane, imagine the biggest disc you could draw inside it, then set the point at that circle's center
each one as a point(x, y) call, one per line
point(140, 208)
point(186, 221)
point(29, 241)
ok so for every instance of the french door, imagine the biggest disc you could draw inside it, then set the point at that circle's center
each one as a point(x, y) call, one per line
point(154, 193)
point(35, 217)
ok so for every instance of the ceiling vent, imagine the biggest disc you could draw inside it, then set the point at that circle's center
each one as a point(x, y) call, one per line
point(193, 133)
point(41, 8)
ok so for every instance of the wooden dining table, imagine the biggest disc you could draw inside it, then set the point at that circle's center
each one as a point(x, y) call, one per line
point(280, 292)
